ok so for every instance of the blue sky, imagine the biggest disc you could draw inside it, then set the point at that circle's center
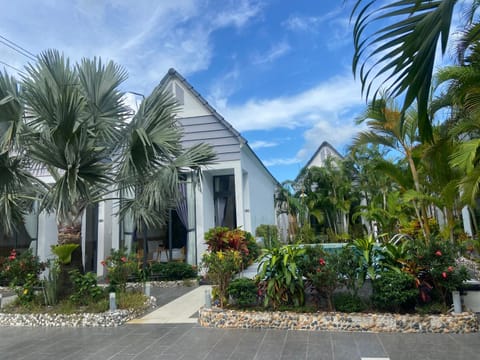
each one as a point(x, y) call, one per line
point(279, 71)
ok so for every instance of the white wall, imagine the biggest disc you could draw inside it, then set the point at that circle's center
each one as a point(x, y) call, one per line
point(205, 202)
point(47, 235)
point(261, 191)
point(105, 227)
point(192, 106)
point(204, 212)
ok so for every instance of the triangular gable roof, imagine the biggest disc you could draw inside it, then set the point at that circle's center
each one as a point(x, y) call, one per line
point(322, 145)
point(174, 74)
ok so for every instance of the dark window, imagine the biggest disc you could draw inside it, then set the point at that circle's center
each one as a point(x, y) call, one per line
point(224, 199)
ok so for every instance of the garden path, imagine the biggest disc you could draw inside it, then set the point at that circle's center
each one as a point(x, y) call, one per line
point(182, 310)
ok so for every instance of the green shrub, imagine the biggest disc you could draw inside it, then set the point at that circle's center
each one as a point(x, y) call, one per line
point(172, 271)
point(305, 235)
point(253, 250)
point(17, 269)
point(131, 300)
point(269, 233)
point(120, 266)
point(85, 288)
point(225, 239)
point(432, 308)
point(349, 270)
point(321, 269)
point(348, 303)
point(437, 259)
point(282, 280)
point(220, 267)
point(394, 291)
point(243, 291)
point(51, 283)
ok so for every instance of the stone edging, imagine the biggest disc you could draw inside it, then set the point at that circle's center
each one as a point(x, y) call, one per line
point(325, 321)
point(162, 284)
point(106, 319)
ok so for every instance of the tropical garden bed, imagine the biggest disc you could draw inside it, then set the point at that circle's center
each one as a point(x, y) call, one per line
point(63, 296)
point(410, 286)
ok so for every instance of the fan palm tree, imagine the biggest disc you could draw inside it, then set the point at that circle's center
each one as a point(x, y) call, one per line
point(17, 186)
point(77, 130)
point(400, 54)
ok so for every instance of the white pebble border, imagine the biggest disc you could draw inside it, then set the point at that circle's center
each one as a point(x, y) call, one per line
point(105, 319)
point(327, 321)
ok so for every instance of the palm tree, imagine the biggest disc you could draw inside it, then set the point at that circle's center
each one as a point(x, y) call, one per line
point(152, 161)
point(77, 131)
point(463, 98)
point(331, 196)
point(75, 119)
point(377, 181)
point(387, 128)
point(400, 55)
point(17, 186)
point(286, 202)
point(443, 179)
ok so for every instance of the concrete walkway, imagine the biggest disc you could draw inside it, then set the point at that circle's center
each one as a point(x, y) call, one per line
point(182, 310)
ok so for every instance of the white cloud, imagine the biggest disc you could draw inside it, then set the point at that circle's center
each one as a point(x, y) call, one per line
point(259, 144)
point(339, 133)
point(297, 23)
point(282, 161)
point(326, 101)
point(147, 38)
point(308, 23)
point(222, 88)
point(275, 52)
point(238, 15)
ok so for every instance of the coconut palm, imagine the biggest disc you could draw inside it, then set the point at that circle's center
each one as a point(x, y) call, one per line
point(77, 131)
point(396, 46)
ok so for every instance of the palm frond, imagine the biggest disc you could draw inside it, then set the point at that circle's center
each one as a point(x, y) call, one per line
point(11, 111)
point(106, 108)
point(401, 54)
point(465, 157)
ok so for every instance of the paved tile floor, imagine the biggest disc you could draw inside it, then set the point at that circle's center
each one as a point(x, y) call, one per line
point(189, 341)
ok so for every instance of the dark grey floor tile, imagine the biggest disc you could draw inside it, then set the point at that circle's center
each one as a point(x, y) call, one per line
point(122, 357)
point(295, 351)
point(319, 352)
point(167, 357)
point(344, 347)
point(369, 345)
point(267, 356)
point(243, 355)
point(297, 336)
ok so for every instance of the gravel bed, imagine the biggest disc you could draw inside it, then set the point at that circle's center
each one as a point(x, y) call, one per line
point(106, 319)
point(327, 321)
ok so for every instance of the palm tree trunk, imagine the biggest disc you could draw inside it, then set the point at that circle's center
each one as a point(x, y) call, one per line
point(450, 222)
point(70, 232)
point(423, 210)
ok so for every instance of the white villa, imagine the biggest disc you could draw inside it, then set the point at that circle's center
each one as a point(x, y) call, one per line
point(236, 191)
